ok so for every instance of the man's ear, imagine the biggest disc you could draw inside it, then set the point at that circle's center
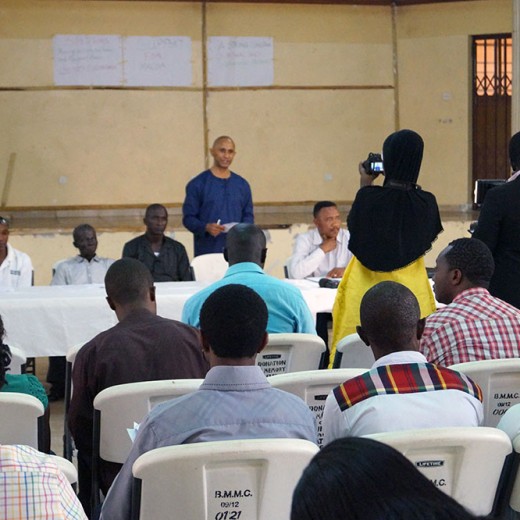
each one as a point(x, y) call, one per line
point(362, 335)
point(265, 339)
point(152, 293)
point(456, 277)
point(420, 327)
point(225, 255)
point(264, 255)
point(75, 244)
point(110, 303)
point(205, 343)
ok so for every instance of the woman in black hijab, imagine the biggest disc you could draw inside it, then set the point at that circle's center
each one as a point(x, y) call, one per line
point(391, 228)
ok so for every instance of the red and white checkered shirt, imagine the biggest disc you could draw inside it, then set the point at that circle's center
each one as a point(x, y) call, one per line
point(33, 488)
point(474, 326)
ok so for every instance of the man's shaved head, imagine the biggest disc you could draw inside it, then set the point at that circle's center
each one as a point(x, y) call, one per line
point(245, 243)
point(389, 316)
point(218, 140)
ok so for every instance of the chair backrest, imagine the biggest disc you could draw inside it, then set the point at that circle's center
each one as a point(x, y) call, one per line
point(351, 352)
point(208, 268)
point(67, 438)
point(22, 416)
point(465, 463)
point(18, 360)
point(291, 352)
point(117, 408)
point(313, 386)
point(500, 383)
point(66, 467)
point(514, 501)
point(250, 479)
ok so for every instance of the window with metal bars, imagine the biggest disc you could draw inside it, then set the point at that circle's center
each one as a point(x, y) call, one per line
point(493, 65)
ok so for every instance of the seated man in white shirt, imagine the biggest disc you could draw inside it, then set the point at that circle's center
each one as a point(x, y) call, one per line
point(402, 391)
point(84, 268)
point(322, 251)
point(16, 268)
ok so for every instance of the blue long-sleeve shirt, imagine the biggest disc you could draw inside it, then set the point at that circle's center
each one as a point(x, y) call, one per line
point(210, 199)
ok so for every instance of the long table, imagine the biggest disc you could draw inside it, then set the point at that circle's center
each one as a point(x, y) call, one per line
point(48, 320)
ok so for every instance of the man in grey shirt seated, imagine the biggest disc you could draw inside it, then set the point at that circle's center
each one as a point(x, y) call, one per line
point(235, 400)
point(84, 268)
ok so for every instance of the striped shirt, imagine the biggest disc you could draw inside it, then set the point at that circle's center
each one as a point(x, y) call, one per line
point(33, 488)
point(474, 326)
point(401, 392)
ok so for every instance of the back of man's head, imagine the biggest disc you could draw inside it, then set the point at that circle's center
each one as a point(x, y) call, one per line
point(322, 204)
point(245, 243)
point(233, 320)
point(473, 258)
point(128, 282)
point(389, 318)
point(514, 152)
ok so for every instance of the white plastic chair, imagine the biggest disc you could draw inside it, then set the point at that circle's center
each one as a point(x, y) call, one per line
point(67, 468)
point(500, 383)
point(117, 408)
point(18, 360)
point(67, 438)
point(208, 268)
point(291, 352)
point(313, 386)
point(514, 501)
point(351, 352)
point(251, 479)
point(22, 419)
point(465, 463)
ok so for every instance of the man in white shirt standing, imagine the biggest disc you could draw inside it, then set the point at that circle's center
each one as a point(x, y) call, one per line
point(322, 251)
point(16, 268)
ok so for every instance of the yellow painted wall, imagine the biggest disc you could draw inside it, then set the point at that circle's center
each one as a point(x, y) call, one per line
point(88, 147)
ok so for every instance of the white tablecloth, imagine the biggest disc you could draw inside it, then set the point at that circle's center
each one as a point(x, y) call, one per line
point(48, 320)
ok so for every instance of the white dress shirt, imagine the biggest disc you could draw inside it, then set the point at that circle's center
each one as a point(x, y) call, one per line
point(78, 270)
point(309, 259)
point(16, 270)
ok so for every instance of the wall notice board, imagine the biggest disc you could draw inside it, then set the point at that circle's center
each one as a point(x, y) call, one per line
point(112, 60)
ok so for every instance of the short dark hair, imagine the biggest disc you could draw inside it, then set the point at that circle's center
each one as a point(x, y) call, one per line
point(322, 204)
point(128, 281)
point(389, 314)
point(234, 320)
point(245, 243)
point(80, 229)
point(473, 258)
point(360, 478)
point(152, 207)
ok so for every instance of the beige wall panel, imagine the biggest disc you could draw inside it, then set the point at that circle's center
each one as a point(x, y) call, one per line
point(300, 22)
point(45, 18)
point(26, 63)
point(333, 64)
point(434, 102)
point(435, 86)
point(476, 17)
point(110, 147)
point(302, 145)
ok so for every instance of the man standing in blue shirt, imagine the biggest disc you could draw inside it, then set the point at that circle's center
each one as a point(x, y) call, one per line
point(216, 199)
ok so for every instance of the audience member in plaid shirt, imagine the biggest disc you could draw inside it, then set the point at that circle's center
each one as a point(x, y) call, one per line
point(32, 486)
point(474, 325)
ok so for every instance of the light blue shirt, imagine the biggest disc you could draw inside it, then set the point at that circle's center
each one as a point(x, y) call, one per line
point(288, 311)
point(234, 402)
